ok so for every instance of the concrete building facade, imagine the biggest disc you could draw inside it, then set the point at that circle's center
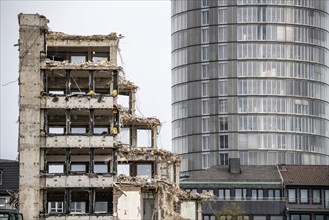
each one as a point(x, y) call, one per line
point(74, 161)
point(250, 81)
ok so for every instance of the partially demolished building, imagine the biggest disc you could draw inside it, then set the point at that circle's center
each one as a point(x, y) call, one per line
point(72, 162)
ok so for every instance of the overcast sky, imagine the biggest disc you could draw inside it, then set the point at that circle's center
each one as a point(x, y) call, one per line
point(145, 51)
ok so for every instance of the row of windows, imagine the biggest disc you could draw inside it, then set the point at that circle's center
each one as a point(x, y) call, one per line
point(323, 5)
point(257, 69)
point(242, 194)
point(283, 87)
point(280, 51)
point(282, 15)
point(279, 33)
point(255, 158)
point(283, 69)
point(222, 157)
point(255, 105)
point(283, 105)
point(179, 22)
point(308, 196)
point(258, 51)
point(256, 87)
point(271, 141)
point(292, 142)
point(257, 123)
point(143, 170)
point(283, 123)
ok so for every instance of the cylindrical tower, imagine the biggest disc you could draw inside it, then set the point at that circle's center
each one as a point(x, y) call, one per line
point(250, 79)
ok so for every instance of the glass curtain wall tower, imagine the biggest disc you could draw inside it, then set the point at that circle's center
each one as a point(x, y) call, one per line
point(250, 79)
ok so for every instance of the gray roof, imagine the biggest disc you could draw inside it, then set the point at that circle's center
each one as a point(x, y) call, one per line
point(268, 173)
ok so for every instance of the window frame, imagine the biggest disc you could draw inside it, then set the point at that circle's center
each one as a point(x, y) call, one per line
point(294, 199)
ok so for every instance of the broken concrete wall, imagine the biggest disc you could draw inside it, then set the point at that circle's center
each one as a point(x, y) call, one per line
point(31, 42)
point(129, 205)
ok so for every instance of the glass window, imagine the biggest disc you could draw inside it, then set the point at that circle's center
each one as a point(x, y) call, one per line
point(305, 217)
point(204, 53)
point(101, 207)
point(222, 105)
point(222, 34)
point(56, 168)
point(222, 52)
point(205, 142)
point(292, 195)
point(144, 170)
point(205, 3)
point(223, 158)
point(304, 196)
point(2, 202)
point(78, 59)
point(222, 70)
point(205, 161)
point(223, 124)
point(123, 169)
point(240, 194)
point(326, 194)
point(205, 124)
point(222, 87)
point(205, 107)
point(224, 194)
point(205, 17)
point(319, 217)
point(55, 207)
point(223, 141)
point(56, 130)
point(100, 130)
point(78, 207)
point(222, 15)
point(316, 198)
point(78, 167)
point(205, 71)
point(205, 88)
point(204, 35)
point(100, 168)
point(100, 58)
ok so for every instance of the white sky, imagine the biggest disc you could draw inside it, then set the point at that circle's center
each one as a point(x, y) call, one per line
point(145, 51)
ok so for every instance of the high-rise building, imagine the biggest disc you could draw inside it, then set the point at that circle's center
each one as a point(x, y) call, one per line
point(250, 80)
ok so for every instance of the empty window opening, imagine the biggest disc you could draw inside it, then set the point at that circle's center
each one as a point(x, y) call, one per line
point(123, 169)
point(102, 122)
point(79, 121)
point(144, 170)
point(124, 136)
point(57, 56)
point(100, 57)
point(123, 100)
point(78, 58)
point(55, 81)
point(56, 121)
point(144, 138)
point(79, 82)
point(102, 82)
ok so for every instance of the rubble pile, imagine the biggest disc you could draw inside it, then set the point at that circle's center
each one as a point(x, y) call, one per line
point(126, 85)
point(51, 35)
point(132, 153)
point(129, 119)
point(104, 64)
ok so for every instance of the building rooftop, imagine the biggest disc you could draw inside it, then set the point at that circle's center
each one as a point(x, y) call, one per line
point(248, 174)
point(312, 175)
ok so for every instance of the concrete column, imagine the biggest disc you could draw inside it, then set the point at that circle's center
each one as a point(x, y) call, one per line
point(32, 29)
